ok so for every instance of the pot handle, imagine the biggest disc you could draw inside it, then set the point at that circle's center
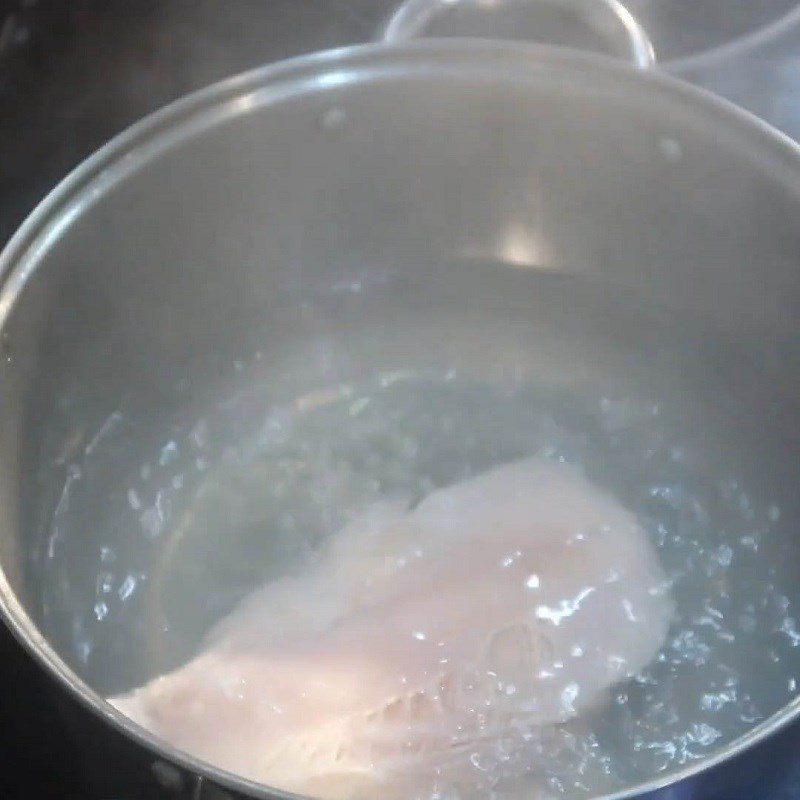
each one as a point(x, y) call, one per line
point(598, 25)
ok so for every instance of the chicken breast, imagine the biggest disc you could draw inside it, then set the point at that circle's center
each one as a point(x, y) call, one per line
point(421, 645)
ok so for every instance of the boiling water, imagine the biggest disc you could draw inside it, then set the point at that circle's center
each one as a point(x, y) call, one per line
point(242, 491)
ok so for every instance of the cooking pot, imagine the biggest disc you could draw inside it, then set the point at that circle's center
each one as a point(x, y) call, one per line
point(218, 228)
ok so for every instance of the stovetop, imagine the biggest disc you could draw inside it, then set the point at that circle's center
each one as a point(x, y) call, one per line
point(73, 74)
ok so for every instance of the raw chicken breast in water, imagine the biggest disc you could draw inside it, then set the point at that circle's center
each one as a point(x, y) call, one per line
point(420, 640)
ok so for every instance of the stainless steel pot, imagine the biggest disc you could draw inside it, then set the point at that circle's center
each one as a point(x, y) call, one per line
point(198, 233)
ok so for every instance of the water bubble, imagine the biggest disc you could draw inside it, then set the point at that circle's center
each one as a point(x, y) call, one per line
point(134, 501)
point(152, 522)
point(789, 627)
point(104, 583)
point(127, 587)
point(107, 554)
point(704, 734)
point(168, 453)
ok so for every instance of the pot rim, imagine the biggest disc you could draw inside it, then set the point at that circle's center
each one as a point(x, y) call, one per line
point(270, 84)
